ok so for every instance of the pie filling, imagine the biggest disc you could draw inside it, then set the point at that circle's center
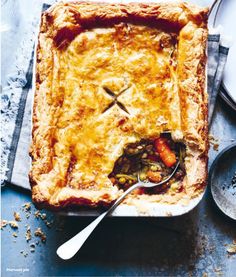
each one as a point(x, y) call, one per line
point(154, 160)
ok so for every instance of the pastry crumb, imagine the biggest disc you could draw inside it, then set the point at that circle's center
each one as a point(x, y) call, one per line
point(231, 248)
point(24, 253)
point(17, 216)
point(27, 215)
point(39, 233)
point(43, 216)
point(13, 224)
point(38, 215)
point(32, 247)
point(27, 206)
point(214, 142)
point(14, 235)
point(216, 146)
point(49, 223)
point(3, 223)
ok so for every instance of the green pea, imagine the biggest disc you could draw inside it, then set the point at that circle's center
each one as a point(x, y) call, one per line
point(142, 176)
point(153, 168)
point(122, 180)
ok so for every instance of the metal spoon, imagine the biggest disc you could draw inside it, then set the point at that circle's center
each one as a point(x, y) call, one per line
point(68, 249)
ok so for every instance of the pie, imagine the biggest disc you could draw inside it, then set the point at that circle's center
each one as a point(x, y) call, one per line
point(119, 91)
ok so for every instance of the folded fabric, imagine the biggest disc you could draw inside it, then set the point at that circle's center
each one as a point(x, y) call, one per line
point(213, 55)
point(16, 100)
point(218, 48)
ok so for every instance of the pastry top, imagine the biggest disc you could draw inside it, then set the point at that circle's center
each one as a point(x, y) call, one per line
point(108, 75)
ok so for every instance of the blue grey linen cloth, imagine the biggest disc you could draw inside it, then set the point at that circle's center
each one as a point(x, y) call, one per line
point(16, 115)
point(16, 106)
point(218, 48)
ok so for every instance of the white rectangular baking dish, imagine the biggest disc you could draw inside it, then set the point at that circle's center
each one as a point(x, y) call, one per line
point(123, 210)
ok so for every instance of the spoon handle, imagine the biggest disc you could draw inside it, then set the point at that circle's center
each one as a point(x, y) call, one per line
point(68, 249)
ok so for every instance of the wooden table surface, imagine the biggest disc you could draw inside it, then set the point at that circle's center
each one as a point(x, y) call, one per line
point(189, 245)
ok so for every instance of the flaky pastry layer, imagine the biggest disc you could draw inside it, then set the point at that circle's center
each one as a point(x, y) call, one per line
point(152, 56)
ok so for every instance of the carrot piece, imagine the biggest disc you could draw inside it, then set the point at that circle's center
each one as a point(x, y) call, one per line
point(166, 154)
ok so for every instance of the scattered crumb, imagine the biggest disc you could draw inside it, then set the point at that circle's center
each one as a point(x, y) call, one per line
point(28, 235)
point(231, 248)
point(27, 215)
point(216, 146)
point(13, 224)
point(204, 274)
point(214, 142)
point(27, 206)
point(39, 233)
point(26, 209)
point(43, 216)
point(17, 216)
point(32, 247)
point(3, 223)
point(24, 253)
point(49, 223)
point(36, 214)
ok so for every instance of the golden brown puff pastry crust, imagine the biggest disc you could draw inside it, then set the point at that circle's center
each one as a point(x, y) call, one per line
point(156, 53)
